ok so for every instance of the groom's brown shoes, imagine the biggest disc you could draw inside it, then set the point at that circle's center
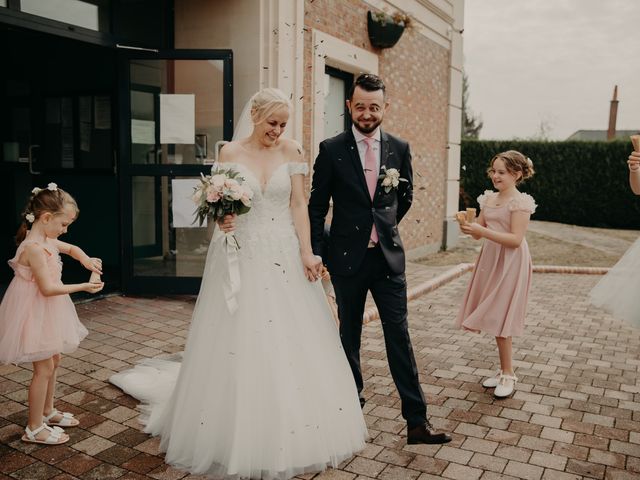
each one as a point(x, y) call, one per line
point(426, 434)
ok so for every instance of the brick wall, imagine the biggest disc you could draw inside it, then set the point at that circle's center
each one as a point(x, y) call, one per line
point(416, 72)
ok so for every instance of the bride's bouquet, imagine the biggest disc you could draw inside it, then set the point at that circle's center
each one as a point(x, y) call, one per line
point(221, 193)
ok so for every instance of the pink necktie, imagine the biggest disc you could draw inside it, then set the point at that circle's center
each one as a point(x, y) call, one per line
point(371, 174)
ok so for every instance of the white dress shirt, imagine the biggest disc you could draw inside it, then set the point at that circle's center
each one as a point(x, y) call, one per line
point(362, 145)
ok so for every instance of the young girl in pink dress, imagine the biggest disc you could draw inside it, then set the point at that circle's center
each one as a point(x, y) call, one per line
point(38, 320)
point(496, 299)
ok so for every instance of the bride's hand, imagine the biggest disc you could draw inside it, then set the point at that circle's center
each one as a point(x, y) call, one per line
point(227, 223)
point(312, 266)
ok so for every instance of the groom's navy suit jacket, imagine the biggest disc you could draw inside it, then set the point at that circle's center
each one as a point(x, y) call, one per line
point(338, 175)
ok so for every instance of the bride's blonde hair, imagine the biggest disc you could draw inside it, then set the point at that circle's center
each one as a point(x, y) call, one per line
point(267, 101)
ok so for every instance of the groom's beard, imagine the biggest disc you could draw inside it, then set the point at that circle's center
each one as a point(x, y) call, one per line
point(366, 128)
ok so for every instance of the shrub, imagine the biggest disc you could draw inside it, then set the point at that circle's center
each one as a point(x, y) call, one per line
point(579, 183)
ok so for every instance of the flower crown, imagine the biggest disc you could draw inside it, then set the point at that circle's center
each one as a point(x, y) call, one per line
point(52, 187)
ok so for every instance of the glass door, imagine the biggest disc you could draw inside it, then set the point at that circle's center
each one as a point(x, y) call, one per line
point(56, 125)
point(176, 108)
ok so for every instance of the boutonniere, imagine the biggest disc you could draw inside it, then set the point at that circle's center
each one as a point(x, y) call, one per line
point(390, 178)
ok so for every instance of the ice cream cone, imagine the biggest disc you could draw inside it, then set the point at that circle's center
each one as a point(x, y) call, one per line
point(635, 139)
point(94, 278)
point(471, 214)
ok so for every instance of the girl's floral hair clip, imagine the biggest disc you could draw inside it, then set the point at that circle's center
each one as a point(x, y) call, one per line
point(30, 217)
point(52, 187)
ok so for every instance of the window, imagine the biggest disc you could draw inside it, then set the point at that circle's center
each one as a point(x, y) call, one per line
point(336, 115)
point(92, 15)
point(339, 54)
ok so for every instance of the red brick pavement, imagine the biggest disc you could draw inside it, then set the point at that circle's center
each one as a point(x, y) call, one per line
point(575, 414)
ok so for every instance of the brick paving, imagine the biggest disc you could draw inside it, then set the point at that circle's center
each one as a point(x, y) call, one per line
point(575, 414)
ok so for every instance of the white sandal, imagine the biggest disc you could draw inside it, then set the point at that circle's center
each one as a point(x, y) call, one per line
point(506, 386)
point(492, 382)
point(54, 438)
point(67, 419)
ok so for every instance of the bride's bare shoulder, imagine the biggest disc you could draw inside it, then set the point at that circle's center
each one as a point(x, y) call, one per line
point(230, 151)
point(292, 149)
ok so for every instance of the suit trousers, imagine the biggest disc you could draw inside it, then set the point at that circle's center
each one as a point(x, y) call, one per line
point(389, 292)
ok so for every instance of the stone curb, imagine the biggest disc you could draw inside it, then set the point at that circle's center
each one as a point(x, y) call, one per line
point(562, 269)
point(423, 288)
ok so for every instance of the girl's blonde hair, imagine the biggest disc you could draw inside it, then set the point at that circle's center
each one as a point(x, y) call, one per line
point(267, 101)
point(43, 201)
point(515, 163)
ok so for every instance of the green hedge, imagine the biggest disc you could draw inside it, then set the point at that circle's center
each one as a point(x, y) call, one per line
point(578, 183)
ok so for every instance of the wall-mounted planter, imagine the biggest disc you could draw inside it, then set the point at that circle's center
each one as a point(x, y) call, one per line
point(384, 32)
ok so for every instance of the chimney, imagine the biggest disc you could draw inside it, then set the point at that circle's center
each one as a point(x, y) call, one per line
point(613, 114)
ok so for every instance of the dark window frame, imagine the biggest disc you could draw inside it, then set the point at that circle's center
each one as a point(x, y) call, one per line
point(146, 284)
point(13, 15)
point(348, 79)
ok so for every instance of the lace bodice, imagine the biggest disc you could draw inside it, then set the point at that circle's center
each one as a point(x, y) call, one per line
point(269, 220)
point(522, 201)
point(498, 217)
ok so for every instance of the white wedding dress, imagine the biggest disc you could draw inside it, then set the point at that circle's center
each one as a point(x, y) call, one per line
point(617, 291)
point(265, 392)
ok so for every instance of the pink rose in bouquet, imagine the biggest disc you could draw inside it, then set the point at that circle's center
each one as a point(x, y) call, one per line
point(221, 193)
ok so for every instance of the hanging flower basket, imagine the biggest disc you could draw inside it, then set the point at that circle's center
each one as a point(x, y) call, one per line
point(384, 30)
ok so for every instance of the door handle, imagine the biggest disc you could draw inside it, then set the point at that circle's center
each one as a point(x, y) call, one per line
point(30, 158)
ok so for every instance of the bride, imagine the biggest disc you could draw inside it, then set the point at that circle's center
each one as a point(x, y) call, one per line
point(265, 391)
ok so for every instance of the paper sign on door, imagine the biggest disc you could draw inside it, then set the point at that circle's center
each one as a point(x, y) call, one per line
point(177, 118)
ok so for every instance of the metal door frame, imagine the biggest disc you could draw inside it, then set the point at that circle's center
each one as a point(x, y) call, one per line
point(159, 284)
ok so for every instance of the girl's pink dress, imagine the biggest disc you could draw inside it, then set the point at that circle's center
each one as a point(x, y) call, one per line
point(34, 327)
point(496, 298)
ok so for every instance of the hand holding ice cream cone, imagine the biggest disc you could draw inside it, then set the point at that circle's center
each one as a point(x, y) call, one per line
point(467, 216)
point(461, 217)
point(471, 215)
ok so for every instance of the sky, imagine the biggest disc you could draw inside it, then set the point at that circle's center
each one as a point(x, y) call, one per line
point(551, 63)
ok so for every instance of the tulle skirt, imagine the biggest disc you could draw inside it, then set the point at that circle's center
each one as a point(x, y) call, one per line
point(265, 392)
point(618, 291)
point(34, 327)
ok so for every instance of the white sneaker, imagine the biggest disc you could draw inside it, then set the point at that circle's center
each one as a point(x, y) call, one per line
point(506, 386)
point(492, 382)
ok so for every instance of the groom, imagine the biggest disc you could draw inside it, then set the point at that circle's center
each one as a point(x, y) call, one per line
point(365, 251)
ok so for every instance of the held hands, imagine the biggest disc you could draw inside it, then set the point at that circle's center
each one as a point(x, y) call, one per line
point(312, 266)
point(227, 223)
point(634, 162)
point(324, 274)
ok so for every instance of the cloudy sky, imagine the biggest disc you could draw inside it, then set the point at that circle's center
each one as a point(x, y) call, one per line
point(552, 62)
